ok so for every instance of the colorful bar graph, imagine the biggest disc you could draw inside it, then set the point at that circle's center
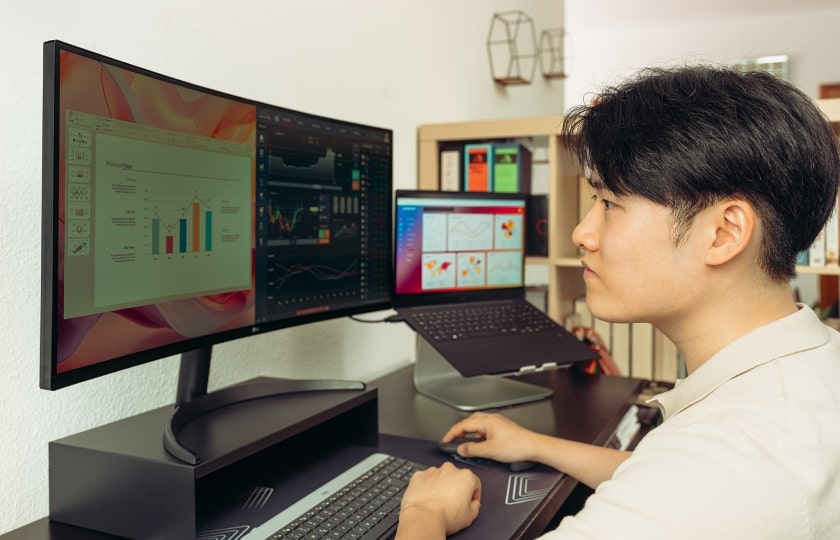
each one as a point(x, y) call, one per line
point(208, 231)
point(155, 236)
point(182, 235)
point(186, 231)
point(195, 229)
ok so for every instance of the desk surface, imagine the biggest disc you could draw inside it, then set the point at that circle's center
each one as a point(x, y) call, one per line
point(583, 407)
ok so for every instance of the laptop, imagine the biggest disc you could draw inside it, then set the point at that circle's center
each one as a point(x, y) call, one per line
point(457, 251)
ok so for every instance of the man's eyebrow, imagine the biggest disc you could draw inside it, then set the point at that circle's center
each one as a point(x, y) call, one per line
point(595, 183)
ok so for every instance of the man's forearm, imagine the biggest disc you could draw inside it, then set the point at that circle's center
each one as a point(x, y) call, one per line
point(586, 463)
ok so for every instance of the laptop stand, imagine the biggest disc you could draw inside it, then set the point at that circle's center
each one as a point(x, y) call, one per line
point(436, 378)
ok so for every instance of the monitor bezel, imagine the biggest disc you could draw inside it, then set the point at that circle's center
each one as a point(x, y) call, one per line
point(50, 379)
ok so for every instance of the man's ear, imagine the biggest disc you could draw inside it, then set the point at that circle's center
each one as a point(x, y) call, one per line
point(735, 222)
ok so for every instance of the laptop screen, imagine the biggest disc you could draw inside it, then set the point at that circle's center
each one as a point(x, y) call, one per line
point(458, 242)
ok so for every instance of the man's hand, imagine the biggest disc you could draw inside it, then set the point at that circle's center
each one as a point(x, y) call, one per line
point(504, 439)
point(439, 501)
point(507, 441)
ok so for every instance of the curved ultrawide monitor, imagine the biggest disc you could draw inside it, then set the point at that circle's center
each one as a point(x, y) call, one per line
point(176, 217)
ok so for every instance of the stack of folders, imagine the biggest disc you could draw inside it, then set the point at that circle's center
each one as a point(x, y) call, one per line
point(496, 167)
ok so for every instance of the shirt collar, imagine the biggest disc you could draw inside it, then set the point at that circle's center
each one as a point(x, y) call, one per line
point(791, 334)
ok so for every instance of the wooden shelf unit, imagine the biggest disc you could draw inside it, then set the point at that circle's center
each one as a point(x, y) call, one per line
point(829, 276)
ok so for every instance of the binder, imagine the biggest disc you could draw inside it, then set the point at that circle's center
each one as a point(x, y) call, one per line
point(511, 168)
point(478, 173)
point(451, 165)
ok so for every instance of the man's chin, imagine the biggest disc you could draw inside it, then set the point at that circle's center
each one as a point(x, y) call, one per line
point(604, 313)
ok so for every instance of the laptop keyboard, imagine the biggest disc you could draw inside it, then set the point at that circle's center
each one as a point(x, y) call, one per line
point(459, 323)
point(362, 503)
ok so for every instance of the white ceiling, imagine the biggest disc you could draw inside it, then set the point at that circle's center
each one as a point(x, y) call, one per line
point(655, 12)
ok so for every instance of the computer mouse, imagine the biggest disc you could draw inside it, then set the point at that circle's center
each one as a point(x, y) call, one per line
point(451, 448)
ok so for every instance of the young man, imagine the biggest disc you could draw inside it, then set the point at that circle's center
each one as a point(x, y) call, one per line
point(708, 184)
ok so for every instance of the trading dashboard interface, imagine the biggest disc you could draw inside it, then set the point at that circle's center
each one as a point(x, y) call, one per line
point(176, 216)
point(319, 243)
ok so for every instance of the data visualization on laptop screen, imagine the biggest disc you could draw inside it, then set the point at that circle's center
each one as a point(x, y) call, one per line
point(449, 243)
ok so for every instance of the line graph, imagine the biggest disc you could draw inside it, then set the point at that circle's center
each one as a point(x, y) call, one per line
point(504, 268)
point(301, 218)
point(315, 272)
point(470, 232)
point(434, 231)
point(306, 281)
point(311, 165)
point(286, 220)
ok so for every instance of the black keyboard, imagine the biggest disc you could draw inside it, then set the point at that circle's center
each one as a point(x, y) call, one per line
point(459, 323)
point(362, 503)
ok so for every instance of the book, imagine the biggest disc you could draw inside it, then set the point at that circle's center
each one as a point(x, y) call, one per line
point(537, 295)
point(582, 312)
point(832, 239)
point(478, 173)
point(450, 168)
point(604, 331)
point(802, 258)
point(641, 350)
point(666, 358)
point(816, 254)
point(511, 168)
point(621, 347)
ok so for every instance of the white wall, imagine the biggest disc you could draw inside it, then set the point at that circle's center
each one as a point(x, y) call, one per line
point(381, 62)
point(603, 50)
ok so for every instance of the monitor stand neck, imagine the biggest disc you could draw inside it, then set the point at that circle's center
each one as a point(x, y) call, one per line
point(194, 375)
point(436, 378)
point(192, 399)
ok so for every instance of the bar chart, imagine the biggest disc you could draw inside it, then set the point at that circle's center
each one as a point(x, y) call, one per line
point(184, 228)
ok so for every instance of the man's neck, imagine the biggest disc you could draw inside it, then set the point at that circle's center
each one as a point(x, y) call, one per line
point(712, 326)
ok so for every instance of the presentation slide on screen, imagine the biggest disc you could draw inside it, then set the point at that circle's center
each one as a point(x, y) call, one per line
point(160, 212)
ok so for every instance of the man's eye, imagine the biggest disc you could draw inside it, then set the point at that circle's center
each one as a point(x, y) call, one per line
point(607, 204)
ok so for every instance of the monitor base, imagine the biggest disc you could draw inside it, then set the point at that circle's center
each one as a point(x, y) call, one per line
point(193, 401)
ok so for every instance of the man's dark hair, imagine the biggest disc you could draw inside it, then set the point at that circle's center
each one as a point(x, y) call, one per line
point(689, 137)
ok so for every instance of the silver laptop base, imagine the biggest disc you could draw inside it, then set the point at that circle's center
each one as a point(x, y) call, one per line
point(436, 378)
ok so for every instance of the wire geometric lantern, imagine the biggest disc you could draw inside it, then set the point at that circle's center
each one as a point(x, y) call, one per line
point(551, 53)
point(512, 48)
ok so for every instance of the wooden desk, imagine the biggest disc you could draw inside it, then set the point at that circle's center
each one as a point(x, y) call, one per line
point(583, 407)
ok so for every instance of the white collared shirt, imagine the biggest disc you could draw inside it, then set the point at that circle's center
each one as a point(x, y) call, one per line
point(749, 448)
